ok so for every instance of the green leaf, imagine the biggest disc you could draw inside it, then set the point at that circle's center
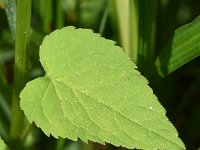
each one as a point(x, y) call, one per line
point(2, 145)
point(146, 33)
point(184, 47)
point(122, 12)
point(91, 91)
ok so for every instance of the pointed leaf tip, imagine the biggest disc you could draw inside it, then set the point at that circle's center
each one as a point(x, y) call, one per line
point(91, 91)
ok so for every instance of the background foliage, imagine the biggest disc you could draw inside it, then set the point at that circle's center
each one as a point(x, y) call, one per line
point(178, 92)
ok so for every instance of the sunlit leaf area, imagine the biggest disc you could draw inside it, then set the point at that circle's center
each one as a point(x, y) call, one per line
point(99, 74)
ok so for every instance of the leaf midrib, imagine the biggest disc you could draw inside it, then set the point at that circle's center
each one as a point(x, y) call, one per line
point(51, 80)
point(86, 112)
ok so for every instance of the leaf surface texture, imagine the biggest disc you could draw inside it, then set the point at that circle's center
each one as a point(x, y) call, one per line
point(93, 91)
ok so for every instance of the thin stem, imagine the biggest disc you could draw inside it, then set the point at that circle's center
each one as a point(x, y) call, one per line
point(134, 30)
point(27, 129)
point(122, 8)
point(21, 67)
point(46, 14)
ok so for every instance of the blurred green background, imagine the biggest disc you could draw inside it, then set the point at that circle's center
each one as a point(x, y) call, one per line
point(178, 92)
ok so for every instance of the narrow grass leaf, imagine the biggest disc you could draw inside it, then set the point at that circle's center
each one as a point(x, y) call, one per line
point(11, 15)
point(122, 10)
point(93, 91)
point(184, 47)
point(146, 34)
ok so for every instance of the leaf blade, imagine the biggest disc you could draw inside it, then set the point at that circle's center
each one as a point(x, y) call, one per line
point(184, 47)
point(89, 93)
point(3, 145)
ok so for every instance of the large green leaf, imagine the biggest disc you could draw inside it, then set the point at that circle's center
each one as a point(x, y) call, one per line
point(184, 47)
point(2, 145)
point(91, 90)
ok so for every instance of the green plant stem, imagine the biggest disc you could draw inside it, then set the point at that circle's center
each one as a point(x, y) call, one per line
point(46, 14)
point(122, 8)
point(21, 67)
point(27, 129)
point(134, 30)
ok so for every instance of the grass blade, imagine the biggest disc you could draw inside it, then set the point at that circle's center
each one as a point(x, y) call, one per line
point(184, 47)
point(11, 15)
point(4, 108)
point(147, 25)
point(123, 16)
point(4, 118)
point(134, 30)
point(46, 10)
